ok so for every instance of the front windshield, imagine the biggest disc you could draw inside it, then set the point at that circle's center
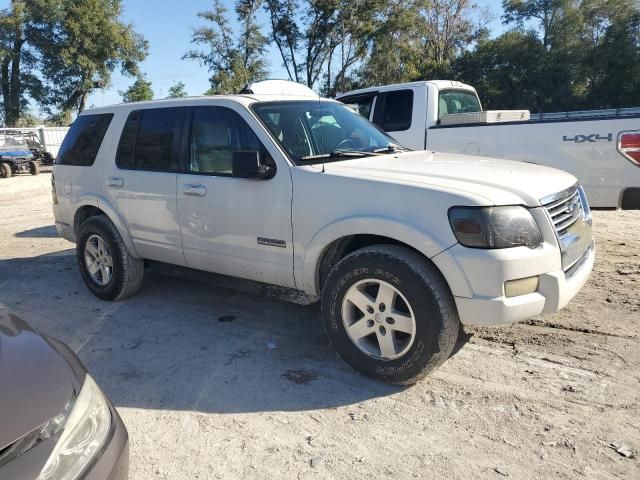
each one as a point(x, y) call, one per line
point(313, 131)
point(12, 141)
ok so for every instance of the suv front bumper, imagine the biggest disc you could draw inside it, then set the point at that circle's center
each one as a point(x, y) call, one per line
point(487, 304)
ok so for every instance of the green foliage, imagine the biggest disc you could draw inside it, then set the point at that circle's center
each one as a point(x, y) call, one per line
point(28, 119)
point(612, 68)
point(320, 41)
point(138, 92)
point(177, 90)
point(576, 55)
point(62, 118)
point(17, 61)
point(57, 52)
point(506, 71)
point(420, 39)
point(234, 60)
point(82, 43)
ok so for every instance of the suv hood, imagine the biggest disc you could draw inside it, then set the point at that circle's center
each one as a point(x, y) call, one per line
point(500, 182)
point(36, 377)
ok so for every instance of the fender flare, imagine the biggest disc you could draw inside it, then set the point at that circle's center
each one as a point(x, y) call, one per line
point(113, 215)
point(408, 234)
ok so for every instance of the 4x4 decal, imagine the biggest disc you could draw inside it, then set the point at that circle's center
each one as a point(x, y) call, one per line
point(593, 138)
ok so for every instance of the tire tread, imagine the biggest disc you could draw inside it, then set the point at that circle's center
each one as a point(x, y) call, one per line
point(434, 280)
point(132, 268)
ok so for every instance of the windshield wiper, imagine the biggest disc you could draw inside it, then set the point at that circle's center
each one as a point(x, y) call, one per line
point(391, 148)
point(337, 154)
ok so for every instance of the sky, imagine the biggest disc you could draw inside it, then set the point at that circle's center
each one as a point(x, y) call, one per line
point(168, 26)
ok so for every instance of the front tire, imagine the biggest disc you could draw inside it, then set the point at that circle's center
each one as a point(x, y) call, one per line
point(389, 313)
point(107, 268)
point(5, 170)
point(34, 167)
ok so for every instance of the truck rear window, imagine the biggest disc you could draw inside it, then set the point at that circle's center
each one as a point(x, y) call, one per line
point(457, 101)
point(82, 142)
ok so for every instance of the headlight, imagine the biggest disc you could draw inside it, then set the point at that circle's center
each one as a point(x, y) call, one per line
point(494, 227)
point(84, 434)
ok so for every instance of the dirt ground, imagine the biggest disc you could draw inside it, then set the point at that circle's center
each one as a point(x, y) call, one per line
point(215, 383)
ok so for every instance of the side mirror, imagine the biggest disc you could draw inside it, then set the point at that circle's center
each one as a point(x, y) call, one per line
point(249, 164)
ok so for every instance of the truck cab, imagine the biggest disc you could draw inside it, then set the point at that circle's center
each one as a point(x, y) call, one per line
point(599, 147)
point(400, 109)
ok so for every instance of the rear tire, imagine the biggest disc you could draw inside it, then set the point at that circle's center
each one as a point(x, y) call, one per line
point(34, 167)
point(107, 268)
point(5, 170)
point(406, 322)
point(47, 159)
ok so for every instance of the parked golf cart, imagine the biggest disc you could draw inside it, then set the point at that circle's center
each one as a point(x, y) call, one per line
point(16, 157)
point(34, 144)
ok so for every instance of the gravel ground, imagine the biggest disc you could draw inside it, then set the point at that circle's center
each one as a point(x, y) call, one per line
point(217, 383)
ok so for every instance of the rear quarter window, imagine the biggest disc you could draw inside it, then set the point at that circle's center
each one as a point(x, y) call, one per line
point(82, 142)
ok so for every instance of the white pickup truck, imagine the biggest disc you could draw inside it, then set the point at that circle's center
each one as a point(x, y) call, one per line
point(303, 193)
point(601, 148)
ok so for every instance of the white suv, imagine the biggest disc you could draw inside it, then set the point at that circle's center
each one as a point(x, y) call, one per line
point(401, 246)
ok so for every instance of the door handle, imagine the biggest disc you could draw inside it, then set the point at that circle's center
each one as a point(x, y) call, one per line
point(194, 190)
point(115, 182)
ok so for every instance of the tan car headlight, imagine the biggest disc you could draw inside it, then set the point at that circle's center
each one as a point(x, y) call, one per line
point(84, 433)
point(494, 227)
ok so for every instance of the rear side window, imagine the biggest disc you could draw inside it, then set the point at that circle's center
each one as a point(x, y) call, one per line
point(394, 110)
point(82, 142)
point(149, 140)
point(361, 104)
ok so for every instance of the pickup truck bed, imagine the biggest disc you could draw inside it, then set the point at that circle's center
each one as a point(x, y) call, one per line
point(584, 146)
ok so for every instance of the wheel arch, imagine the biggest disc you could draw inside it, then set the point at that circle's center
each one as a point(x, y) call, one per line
point(340, 238)
point(97, 206)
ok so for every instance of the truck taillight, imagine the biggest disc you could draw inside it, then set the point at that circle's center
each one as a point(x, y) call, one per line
point(629, 146)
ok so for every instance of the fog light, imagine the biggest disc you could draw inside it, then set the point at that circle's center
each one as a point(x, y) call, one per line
point(515, 288)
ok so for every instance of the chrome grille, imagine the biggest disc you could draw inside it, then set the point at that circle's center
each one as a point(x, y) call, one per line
point(565, 210)
point(570, 215)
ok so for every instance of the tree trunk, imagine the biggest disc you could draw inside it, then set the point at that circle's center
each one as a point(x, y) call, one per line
point(83, 102)
point(13, 114)
point(11, 81)
point(5, 89)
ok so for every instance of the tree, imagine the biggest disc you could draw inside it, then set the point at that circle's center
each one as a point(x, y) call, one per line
point(547, 13)
point(81, 43)
point(587, 44)
point(420, 39)
point(138, 92)
point(177, 90)
point(312, 36)
point(394, 55)
point(233, 60)
point(612, 66)
point(506, 71)
point(58, 51)
point(17, 61)
point(356, 27)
